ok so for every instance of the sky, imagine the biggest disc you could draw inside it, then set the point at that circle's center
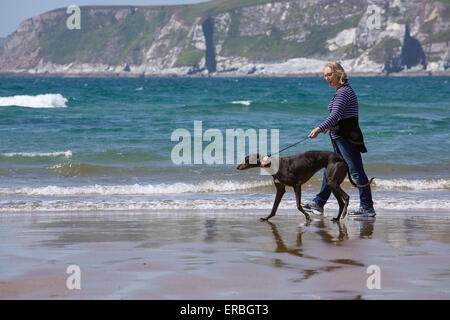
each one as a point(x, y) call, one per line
point(13, 12)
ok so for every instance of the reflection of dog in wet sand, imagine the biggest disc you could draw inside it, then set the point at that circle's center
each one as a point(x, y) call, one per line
point(298, 169)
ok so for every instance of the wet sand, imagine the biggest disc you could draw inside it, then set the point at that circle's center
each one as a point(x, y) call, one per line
point(224, 255)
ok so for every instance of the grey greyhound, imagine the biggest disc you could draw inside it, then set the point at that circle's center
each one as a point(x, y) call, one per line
point(298, 169)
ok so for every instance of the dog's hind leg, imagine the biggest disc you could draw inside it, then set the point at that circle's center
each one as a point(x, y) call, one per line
point(280, 192)
point(346, 201)
point(335, 176)
point(339, 195)
point(298, 196)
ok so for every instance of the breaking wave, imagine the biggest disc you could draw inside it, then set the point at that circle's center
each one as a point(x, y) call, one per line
point(48, 100)
point(412, 184)
point(206, 186)
point(137, 189)
point(66, 154)
point(243, 102)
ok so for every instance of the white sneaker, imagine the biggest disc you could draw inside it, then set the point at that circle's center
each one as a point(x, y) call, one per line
point(362, 212)
point(313, 207)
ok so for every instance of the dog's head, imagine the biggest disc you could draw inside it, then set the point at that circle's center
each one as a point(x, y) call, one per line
point(254, 161)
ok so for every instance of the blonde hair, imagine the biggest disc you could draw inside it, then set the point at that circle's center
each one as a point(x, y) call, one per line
point(336, 67)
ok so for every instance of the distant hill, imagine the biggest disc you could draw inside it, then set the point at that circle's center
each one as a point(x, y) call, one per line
point(234, 37)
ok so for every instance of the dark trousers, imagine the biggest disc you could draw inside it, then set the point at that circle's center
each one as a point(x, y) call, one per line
point(354, 162)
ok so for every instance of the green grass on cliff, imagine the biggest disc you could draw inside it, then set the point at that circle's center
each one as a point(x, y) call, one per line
point(272, 47)
point(191, 12)
point(261, 48)
point(385, 50)
point(101, 36)
point(189, 57)
point(61, 45)
point(135, 33)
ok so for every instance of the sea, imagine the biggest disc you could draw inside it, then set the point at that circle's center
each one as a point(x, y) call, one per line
point(151, 145)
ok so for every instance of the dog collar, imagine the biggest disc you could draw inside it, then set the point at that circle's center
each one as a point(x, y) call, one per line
point(264, 161)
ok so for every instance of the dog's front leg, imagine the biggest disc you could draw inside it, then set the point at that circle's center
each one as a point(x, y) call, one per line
point(280, 192)
point(298, 196)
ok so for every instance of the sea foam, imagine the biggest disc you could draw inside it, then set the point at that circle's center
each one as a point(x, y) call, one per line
point(48, 100)
point(413, 184)
point(66, 154)
point(243, 102)
point(254, 203)
point(137, 189)
point(205, 186)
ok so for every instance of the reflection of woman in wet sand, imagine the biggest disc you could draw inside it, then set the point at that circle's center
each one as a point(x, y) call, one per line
point(325, 236)
point(365, 231)
point(298, 250)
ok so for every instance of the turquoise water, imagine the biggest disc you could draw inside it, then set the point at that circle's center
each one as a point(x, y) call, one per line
point(68, 144)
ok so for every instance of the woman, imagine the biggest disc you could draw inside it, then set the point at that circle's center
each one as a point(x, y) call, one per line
point(346, 137)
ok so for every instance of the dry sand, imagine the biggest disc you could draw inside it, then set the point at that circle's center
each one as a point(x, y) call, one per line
point(224, 255)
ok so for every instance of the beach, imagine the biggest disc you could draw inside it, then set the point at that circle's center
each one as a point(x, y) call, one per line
point(128, 188)
point(224, 254)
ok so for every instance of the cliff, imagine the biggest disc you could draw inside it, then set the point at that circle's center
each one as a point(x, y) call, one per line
point(234, 37)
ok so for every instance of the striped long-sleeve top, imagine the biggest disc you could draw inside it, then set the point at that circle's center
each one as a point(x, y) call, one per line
point(343, 105)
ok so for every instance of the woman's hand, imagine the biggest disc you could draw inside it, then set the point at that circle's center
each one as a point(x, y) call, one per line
point(314, 133)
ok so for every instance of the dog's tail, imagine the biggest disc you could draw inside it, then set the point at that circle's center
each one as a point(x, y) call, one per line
point(354, 183)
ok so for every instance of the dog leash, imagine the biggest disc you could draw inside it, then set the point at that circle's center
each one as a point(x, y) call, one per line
point(300, 141)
